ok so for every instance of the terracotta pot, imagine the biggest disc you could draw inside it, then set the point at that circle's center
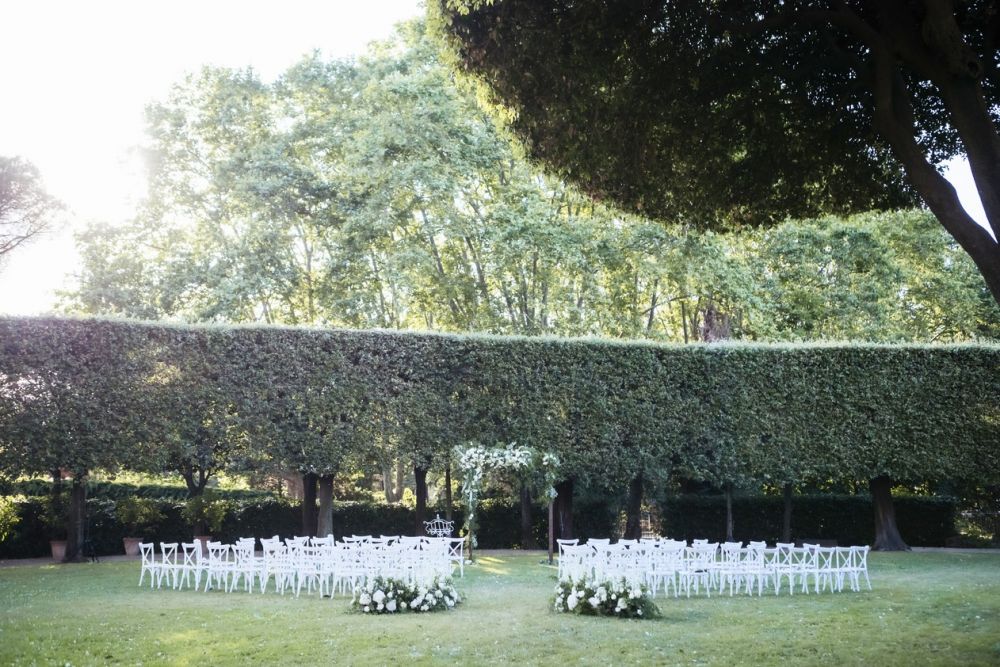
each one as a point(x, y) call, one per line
point(58, 549)
point(131, 545)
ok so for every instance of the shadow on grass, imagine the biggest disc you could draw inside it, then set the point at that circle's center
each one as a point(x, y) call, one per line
point(493, 565)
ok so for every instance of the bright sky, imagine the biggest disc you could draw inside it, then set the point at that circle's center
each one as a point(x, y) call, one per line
point(77, 75)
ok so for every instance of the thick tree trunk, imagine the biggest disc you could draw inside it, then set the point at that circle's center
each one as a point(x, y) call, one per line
point(448, 500)
point(887, 537)
point(77, 524)
point(564, 509)
point(324, 521)
point(786, 524)
point(729, 512)
point(894, 119)
point(309, 480)
point(420, 477)
point(633, 510)
point(527, 537)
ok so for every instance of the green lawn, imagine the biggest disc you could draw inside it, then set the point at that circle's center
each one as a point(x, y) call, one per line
point(926, 609)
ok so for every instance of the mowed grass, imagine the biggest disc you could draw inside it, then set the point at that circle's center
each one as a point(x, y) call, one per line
point(925, 609)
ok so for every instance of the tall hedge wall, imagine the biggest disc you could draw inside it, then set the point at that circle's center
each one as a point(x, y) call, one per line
point(79, 393)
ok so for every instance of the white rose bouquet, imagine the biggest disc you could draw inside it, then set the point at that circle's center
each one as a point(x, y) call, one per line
point(604, 598)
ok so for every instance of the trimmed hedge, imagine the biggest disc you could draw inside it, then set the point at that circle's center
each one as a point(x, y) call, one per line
point(74, 393)
point(923, 521)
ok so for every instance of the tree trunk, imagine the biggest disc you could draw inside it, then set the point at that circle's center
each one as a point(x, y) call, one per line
point(564, 509)
point(195, 484)
point(400, 480)
point(527, 536)
point(786, 525)
point(448, 500)
point(729, 512)
point(894, 120)
point(633, 511)
point(387, 484)
point(420, 476)
point(77, 523)
point(887, 537)
point(309, 503)
point(324, 522)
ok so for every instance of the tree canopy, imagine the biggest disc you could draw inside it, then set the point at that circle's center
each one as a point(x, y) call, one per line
point(26, 209)
point(375, 193)
point(720, 113)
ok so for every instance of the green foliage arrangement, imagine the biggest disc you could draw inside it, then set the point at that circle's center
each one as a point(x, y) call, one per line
point(137, 514)
point(9, 515)
point(386, 595)
point(605, 598)
point(206, 510)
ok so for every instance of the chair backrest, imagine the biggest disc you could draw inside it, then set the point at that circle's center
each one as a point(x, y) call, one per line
point(168, 553)
point(191, 554)
point(627, 543)
point(732, 552)
point(218, 553)
point(595, 542)
point(146, 552)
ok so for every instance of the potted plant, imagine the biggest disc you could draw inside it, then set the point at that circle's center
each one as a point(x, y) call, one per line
point(205, 513)
point(55, 519)
point(136, 515)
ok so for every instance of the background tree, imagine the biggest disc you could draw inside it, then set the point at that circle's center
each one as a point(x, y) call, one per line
point(404, 208)
point(746, 112)
point(26, 209)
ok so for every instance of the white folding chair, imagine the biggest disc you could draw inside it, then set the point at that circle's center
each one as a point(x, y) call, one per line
point(218, 567)
point(149, 564)
point(859, 566)
point(783, 566)
point(560, 544)
point(730, 570)
point(190, 564)
point(168, 564)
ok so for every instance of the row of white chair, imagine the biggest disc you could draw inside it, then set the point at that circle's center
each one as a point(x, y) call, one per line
point(705, 566)
point(318, 564)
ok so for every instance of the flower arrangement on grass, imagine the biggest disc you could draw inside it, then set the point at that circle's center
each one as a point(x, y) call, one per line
point(605, 598)
point(383, 595)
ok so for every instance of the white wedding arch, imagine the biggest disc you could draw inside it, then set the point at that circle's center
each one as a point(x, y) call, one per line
point(476, 463)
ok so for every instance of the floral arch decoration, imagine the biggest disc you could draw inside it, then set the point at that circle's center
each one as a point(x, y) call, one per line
point(476, 463)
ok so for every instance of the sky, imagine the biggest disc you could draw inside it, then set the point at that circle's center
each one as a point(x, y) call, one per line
point(76, 77)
